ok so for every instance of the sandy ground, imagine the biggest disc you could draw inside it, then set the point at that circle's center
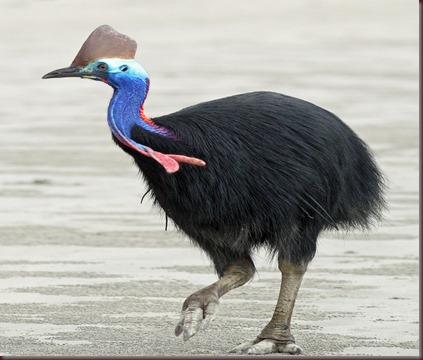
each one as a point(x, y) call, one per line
point(86, 270)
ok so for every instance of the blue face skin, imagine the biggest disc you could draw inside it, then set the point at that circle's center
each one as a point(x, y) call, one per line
point(118, 73)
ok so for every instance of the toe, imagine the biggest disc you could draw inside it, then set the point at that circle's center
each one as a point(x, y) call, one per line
point(193, 319)
point(197, 313)
point(240, 348)
point(292, 349)
point(261, 348)
point(206, 322)
point(266, 346)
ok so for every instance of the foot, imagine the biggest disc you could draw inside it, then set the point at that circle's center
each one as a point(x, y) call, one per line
point(267, 346)
point(198, 312)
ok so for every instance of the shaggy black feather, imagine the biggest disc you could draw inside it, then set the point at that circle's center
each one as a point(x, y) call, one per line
point(279, 170)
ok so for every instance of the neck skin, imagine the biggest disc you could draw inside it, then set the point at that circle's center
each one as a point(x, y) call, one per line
point(126, 111)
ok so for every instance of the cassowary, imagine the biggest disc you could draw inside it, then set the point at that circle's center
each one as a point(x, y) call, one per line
point(237, 173)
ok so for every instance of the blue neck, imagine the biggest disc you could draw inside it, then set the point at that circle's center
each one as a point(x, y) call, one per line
point(126, 111)
point(130, 83)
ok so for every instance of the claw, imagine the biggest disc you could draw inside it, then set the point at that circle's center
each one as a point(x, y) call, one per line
point(178, 329)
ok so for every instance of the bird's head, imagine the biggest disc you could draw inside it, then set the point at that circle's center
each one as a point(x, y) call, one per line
point(113, 71)
point(106, 55)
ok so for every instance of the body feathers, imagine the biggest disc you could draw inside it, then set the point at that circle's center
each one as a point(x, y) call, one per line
point(279, 170)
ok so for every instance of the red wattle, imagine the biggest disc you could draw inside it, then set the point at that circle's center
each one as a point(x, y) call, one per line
point(171, 161)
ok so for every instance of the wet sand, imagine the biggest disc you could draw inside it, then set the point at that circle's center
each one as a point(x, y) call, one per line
point(85, 269)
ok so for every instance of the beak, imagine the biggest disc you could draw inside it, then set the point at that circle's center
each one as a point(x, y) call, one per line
point(73, 71)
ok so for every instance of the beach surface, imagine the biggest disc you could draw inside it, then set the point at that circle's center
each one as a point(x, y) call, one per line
point(85, 269)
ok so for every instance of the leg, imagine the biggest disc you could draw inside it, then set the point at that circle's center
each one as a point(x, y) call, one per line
point(276, 336)
point(199, 308)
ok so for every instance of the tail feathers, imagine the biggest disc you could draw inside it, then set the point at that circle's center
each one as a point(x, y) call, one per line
point(320, 211)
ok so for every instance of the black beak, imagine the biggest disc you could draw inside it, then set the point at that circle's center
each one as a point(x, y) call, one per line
point(72, 71)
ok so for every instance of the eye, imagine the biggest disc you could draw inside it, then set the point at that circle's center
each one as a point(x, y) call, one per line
point(124, 68)
point(102, 67)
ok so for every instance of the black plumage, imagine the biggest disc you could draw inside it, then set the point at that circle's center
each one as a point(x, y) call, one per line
point(279, 171)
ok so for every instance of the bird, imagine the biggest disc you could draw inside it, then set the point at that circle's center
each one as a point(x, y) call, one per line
point(248, 171)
